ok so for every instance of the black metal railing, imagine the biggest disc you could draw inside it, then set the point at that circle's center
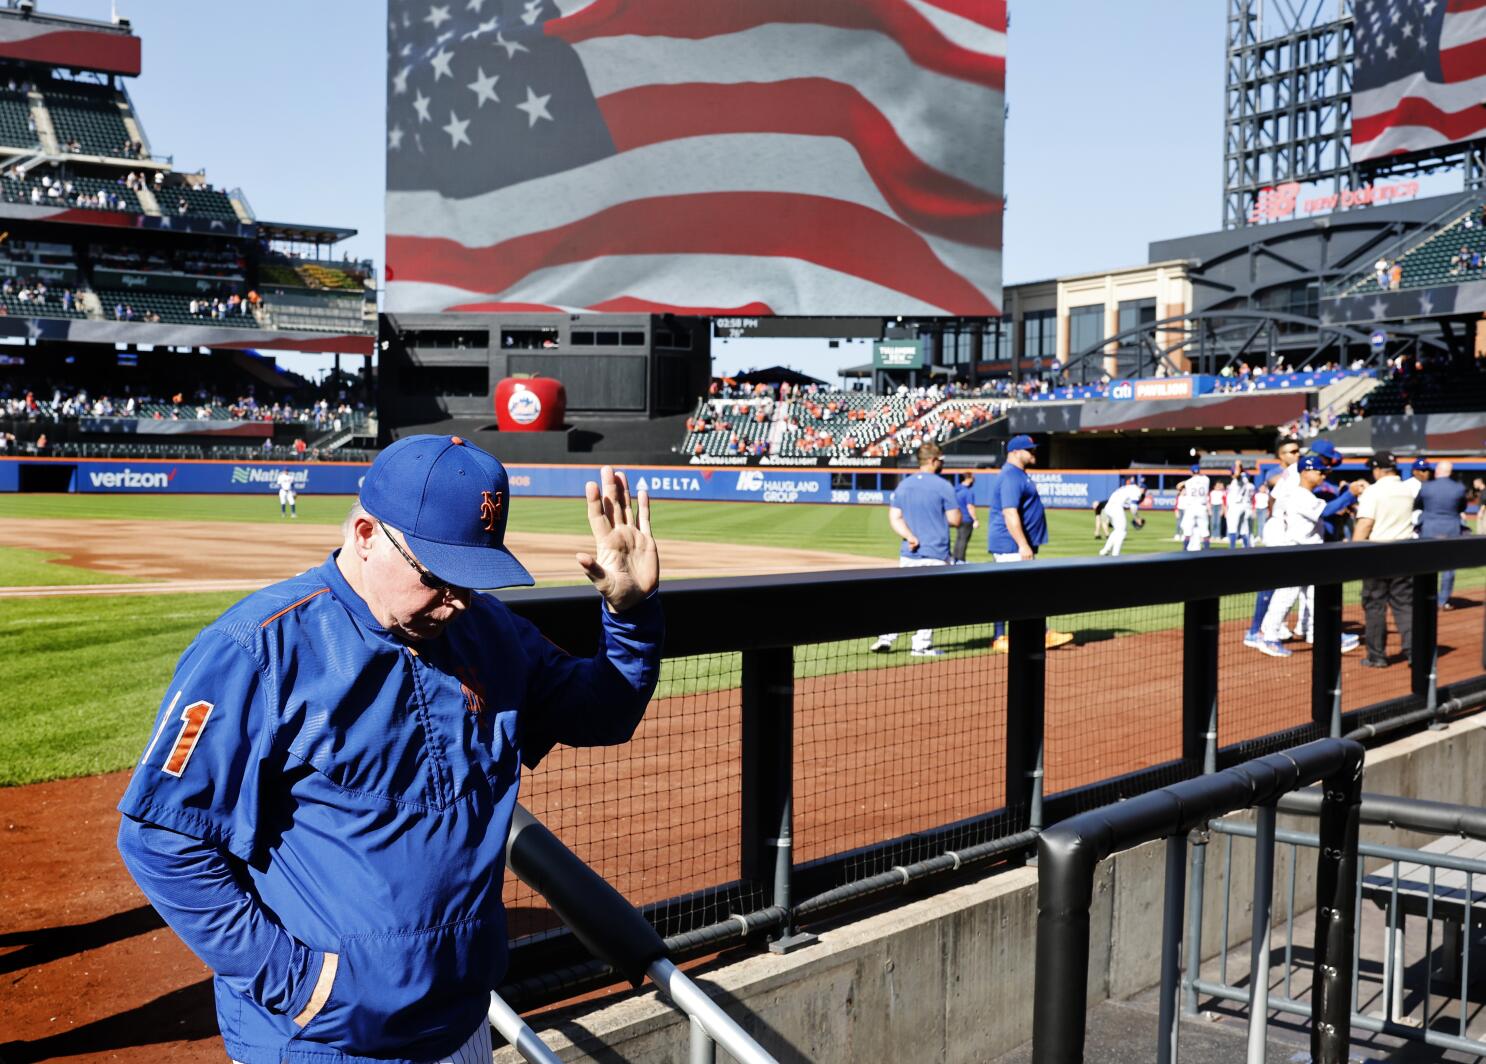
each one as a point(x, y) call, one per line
point(1069, 855)
point(754, 626)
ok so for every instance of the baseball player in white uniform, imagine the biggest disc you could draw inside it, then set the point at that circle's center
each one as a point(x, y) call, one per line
point(285, 481)
point(1240, 509)
point(1297, 519)
point(1193, 520)
point(1125, 497)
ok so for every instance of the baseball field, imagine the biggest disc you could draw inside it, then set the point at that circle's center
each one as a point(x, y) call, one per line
point(99, 595)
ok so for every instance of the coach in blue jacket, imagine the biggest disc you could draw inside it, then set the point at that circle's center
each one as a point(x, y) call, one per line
point(1441, 502)
point(322, 811)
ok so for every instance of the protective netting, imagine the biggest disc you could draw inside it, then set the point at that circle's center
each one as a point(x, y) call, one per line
point(888, 744)
point(1259, 695)
point(1114, 694)
point(659, 816)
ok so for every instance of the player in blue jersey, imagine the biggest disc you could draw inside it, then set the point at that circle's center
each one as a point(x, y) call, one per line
point(922, 511)
point(322, 810)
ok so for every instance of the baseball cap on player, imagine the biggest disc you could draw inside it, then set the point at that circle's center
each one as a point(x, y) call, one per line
point(1311, 462)
point(1421, 465)
point(1382, 460)
point(1021, 443)
point(450, 501)
point(1327, 450)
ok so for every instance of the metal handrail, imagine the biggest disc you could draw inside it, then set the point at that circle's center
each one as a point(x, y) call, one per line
point(615, 932)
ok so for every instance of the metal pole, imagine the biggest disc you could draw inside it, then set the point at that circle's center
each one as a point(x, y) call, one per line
point(1194, 923)
point(515, 1031)
point(1025, 705)
point(1326, 660)
point(702, 1050)
point(1259, 943)
point(1171, 948)
point(690, 999)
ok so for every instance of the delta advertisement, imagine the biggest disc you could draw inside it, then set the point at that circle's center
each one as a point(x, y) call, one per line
point(1059, 491)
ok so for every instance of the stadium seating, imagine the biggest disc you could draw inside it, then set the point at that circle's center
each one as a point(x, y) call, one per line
point(320, 311)
point(15, 120)
point(173, 307)
point(200, 202)
point(51, 307)
point(833, 424)
point(80, 192)
point(1430, 263)
point(89, 115)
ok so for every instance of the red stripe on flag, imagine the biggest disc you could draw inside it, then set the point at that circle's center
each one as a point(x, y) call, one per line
point(618, 305)
point(1456, 6)
point(1414, 111)
point(1464, 61)
point(836, 235)
point(698, 19)
point(922, 196)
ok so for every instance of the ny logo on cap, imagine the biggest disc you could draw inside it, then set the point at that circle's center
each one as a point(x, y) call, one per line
point(490, 506)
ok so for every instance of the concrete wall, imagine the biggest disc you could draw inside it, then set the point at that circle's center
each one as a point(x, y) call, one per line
point(950, 977)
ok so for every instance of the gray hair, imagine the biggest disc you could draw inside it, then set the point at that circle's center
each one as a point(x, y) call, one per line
point(357, 512)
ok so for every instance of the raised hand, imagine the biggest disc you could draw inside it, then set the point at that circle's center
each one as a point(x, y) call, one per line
point(624, 565)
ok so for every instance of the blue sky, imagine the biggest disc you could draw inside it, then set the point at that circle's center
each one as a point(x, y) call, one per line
point(1114, 137)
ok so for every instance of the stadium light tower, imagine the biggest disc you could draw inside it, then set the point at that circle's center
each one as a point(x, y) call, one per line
point(1287, 99)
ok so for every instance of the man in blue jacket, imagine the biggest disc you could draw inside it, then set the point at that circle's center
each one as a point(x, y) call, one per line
point(1441, 503)
point(322, 812)
point(1017, 524)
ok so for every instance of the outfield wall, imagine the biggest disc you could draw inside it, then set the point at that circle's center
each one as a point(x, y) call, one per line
point(1062, 489)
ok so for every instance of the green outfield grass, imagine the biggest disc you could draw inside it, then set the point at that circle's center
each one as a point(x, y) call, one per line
point(84, 676)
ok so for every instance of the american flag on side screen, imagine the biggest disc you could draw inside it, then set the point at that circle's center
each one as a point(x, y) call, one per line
point(1419, 75)
point(702, 156)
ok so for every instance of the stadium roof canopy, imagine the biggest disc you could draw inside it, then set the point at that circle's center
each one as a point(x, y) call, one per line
point(774, 375)
point(304, 234)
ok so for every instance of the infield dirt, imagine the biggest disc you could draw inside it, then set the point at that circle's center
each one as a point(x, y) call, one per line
point(215, 556)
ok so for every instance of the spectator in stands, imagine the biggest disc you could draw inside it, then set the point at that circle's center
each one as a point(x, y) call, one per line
point(118, 312)
point(299, 447)
point(1381, 269)
point(1395, 276)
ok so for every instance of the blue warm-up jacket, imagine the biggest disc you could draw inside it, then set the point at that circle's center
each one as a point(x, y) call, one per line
point(314, 785)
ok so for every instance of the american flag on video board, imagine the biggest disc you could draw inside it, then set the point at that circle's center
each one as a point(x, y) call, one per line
point(715, 156)
point(1419, 75)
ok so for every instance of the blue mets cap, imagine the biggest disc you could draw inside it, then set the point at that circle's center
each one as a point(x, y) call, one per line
point(1021, 443)
point(1310, 462)
point(1326, 449)
point(1196, 467)
point(450, 500)
point(1422, 465)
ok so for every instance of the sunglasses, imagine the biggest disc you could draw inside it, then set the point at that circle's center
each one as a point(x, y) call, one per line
point(430, 581)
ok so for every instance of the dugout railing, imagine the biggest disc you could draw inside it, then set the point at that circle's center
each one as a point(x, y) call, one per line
point(754, 646)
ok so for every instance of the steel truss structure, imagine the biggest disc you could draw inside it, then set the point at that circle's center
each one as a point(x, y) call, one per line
point(1288, 108)
point(1211, 341)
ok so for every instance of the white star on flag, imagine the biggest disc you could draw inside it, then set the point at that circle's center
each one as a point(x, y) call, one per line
point(456, 130)
point(400, 80)
point(420, 104)
point(482, 29)
point(394, 138)
point(437, 16)
point(484, 88)
point(441, 64)
point(533, 12)
point(511, 47)
point(535, 107)
point(474, 5)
